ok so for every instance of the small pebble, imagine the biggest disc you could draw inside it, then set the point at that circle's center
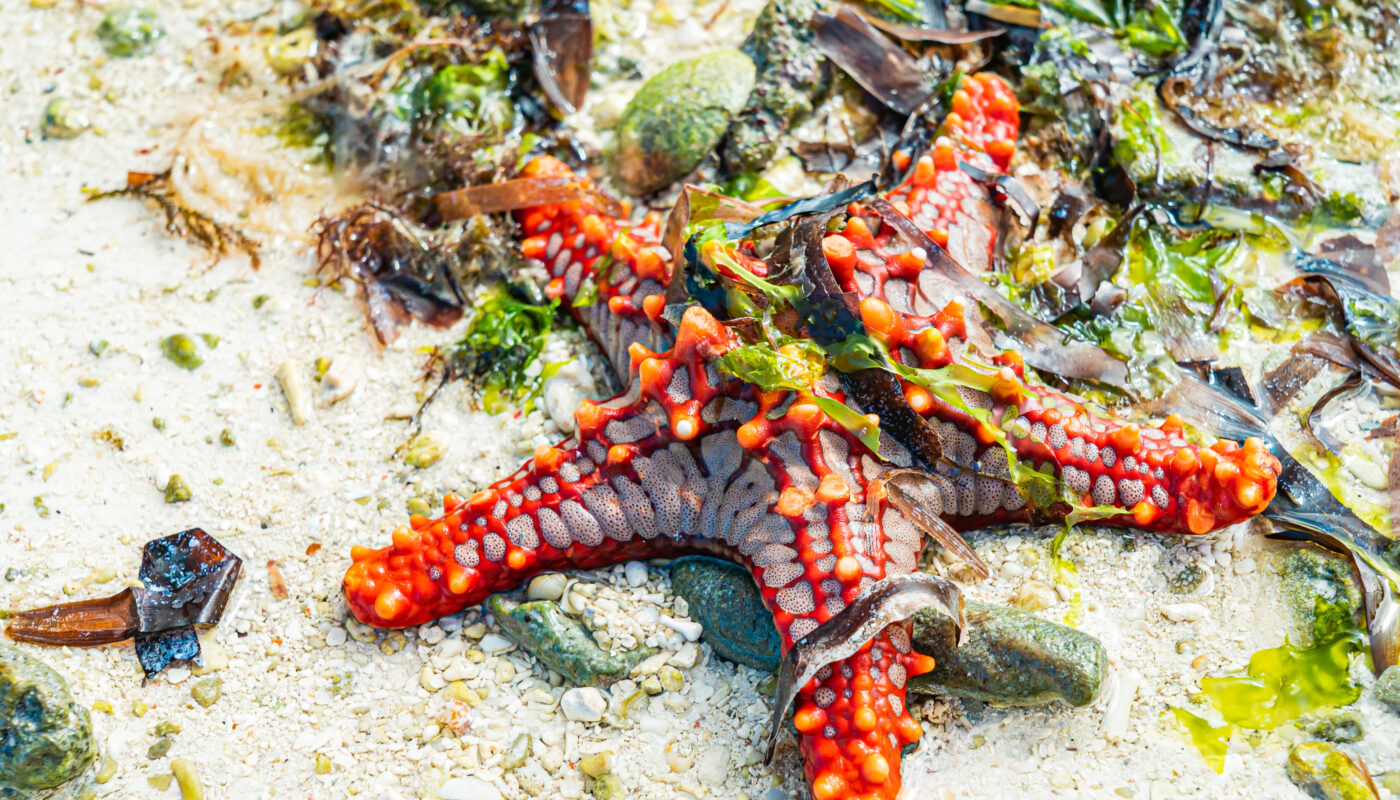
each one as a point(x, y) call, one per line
point(686, 657)
point(495, 644)
point(689, 629)
point(583, 704)
point(1184, 612)
point(292, 377)
point(468, 788)
point(547, 587)
point(636, 573)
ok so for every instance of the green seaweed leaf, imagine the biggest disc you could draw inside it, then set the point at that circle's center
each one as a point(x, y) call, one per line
point(504, 340)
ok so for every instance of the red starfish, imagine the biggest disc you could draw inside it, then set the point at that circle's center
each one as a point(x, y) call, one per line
point(689, 460)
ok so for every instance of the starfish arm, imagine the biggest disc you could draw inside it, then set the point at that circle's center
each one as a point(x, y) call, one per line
point(690, 461)
point(1163, 482)
point(580, 246)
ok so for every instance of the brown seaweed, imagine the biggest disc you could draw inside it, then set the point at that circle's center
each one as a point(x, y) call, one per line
point(919, 33)
point(518, 193)
point(186, 223)
point(911, 493)
point(562, 43)
point(402, 275)
point(889, 73)
point(885, 603)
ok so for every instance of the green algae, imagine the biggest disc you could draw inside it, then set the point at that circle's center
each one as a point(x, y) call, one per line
point(1211, 740)
point(1281, 684)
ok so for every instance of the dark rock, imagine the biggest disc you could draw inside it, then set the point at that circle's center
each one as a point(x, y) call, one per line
point(45, 738)
point(792, 78)
point(723, 598)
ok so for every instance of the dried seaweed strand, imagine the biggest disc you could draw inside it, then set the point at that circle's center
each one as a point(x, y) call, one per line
point(215, 237)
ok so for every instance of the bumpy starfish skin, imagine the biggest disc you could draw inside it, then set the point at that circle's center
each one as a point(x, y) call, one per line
point(627, 265)
point(690, 461)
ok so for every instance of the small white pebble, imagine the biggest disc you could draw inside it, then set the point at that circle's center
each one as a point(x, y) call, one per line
point(651, 665)
point(468, 788)
point(583, 704)
point(636, 573)
point(547, 587)
point(493, 644)
point(293, 380)
point(689, 629)
point(686, 657)
point(1244, 566)
point(336, 637)
point(1184, 612)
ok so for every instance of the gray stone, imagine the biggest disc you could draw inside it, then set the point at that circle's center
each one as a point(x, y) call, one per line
point(724, 600)
point(1010, 658)
point(1388, 687)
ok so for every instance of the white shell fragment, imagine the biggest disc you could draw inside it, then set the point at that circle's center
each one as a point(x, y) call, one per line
point(292, 376)
point(687, 628)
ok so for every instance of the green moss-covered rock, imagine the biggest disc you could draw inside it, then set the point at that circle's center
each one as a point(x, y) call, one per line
point(1388, 687)
point(60, 121)
point(677, 118)
point(1326, 773)
point(45, 738)
point(1010, 658)
point(127, 32)
point(723, 598)
point(792, 77)
point(562, 643)
point(1341, 727)
point(1316, 582)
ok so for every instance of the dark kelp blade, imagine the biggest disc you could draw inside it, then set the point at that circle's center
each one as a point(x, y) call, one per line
point(85, 623)
point(1371, 320)
point(912, 494)
point(562, 44)
point(697, 204)
point(1171, 91)
point(1013, 188)
point(889, 73)
point(885, 603)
